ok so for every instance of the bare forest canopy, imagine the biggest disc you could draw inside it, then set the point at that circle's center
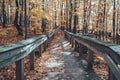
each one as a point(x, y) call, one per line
point(41, 16)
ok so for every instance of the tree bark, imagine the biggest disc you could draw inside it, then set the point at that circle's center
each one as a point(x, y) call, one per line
point(114, 13)
point(25, 22)
point(16, 21)
point(71, 15)
point(67, 15)
point(3, 13)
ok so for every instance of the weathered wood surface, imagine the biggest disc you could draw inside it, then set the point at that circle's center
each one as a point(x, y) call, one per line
point(110, 52)
point(16, 51)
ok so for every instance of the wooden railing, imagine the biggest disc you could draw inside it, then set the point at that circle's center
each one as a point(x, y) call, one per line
point(110, 52)
point(15, 53)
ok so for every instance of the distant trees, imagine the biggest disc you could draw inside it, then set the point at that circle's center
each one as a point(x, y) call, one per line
point(102, 16)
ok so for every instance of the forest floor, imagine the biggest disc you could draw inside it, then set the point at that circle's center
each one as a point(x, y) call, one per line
point(9, 35)
point(58, 62)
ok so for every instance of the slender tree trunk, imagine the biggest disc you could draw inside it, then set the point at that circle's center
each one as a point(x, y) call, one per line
point(3, 13)
point(71, 15)
point(67, 15)
point(89, 11)
point(75, 18)
point(114, 13)
point(21, 15)
point(16, 21)
point(97, 23)
point(85, 25)
point(106, 27)
point(55, 15)
point(62, 24)
point(104, 16)
point(25, 22)
point(9, 12)
point(43, 20)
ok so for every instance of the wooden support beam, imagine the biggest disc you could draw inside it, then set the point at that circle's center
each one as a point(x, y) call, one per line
point(111, 75)
point(79, 46)
point(75, 45)
point(40, 50)
point(72, 41)
point(65, 36)
point(47, 43)
point(45, 46)
point(90, 59)
point(32, 57)
point(80, 51)
point(20, 69)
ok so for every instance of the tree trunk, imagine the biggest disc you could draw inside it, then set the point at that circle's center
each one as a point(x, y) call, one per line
point(55, 26)
point(97, 23)
point(16, 21)
point(67, 15)
point(89, 11)
point(104, 15)
point(25, 22)
point(75, 18)
point(114, 13)
point(70, 20)
point(85, 25)
point(43, 20)
point(3, 13)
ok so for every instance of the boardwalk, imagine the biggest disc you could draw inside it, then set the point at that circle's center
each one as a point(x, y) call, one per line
point(64, 63)
point(58, 62)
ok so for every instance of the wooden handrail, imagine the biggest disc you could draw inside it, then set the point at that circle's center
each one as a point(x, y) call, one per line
point(16, 52)
point(110, 52)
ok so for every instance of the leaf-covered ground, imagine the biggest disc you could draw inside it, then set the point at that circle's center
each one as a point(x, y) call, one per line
point(9, 35)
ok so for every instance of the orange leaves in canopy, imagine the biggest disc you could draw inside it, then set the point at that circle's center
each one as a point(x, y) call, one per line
point(39, 14)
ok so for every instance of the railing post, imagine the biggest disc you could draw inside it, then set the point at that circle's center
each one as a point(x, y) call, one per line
point(40, 50)
point(111, 75)
point(70, 39)
point(32, 57)
point(20, 69)
point(80, 51)
point(90, 59)
point(65, 35)
point(47, 42)
point(72, 42)
point(79, 47)
point(45, 46)
point(75, 45)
